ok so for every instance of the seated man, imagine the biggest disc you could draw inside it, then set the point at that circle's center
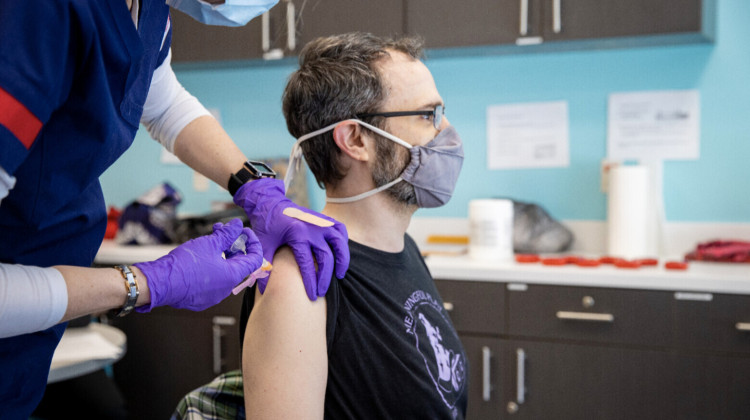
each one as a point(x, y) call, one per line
point(369, 120)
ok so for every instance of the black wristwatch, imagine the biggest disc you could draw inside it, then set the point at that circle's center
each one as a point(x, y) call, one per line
point(250, 170)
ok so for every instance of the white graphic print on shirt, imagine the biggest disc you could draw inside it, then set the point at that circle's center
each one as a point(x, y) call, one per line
point(427, 322)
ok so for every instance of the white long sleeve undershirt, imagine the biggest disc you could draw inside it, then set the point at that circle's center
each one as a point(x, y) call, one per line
point(31, 299)
point(169, 107)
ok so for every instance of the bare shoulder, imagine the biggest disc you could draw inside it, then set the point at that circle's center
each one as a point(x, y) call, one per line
point(285, 281)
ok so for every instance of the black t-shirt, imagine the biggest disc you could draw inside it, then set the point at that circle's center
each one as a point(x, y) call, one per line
point(392, 349)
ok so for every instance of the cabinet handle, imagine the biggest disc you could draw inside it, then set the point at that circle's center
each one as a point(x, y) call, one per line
point(585, 316)
point(556, 16)
point(742, 326)
point(524, 19)
point(448, 306)
point(520, 376)
point(291, 27)
point(486, 386)
point(265, 35)
point(218, 322)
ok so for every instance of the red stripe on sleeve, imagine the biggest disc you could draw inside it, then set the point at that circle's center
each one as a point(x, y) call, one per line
point(18, 119)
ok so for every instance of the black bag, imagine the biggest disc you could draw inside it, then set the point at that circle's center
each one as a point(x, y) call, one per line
point(192, 227)
point(534, 231)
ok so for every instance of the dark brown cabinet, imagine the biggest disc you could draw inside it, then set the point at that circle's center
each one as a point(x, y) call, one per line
point(582, 19)
point(494, 26)
point(195, 42)
point(546, 351)
point(512, 25)
point(287, 28)
point(446, 23)
point(170, 352)
point(315, 18)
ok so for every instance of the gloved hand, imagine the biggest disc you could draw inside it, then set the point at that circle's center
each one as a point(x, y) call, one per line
point(195, 276)
point(265, 203)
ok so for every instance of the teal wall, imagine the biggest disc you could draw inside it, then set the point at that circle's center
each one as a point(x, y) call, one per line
point(711, 189)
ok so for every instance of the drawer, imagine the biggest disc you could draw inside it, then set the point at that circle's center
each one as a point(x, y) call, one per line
point(590, 314)
point(474, 307)
point(711, 321)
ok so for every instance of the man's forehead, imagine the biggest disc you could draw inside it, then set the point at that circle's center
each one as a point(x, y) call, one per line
point(407, 81)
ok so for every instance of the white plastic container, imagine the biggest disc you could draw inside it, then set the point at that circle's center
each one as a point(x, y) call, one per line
point(491, 229)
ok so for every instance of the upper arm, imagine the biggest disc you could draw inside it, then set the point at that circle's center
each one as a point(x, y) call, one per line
point(284, 357)
point(169, 108)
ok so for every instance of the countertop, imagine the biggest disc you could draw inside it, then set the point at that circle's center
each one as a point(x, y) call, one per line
point(733, 278)
point(699, 277)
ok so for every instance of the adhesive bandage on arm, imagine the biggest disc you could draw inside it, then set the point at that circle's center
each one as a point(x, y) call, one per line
point(31, 299)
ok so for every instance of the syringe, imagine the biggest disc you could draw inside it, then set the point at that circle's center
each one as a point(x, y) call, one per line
point(262, 272)
point(239, 245)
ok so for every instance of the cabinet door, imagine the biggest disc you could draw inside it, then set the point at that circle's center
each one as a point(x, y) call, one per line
point(193, 41)
point(486, 371)
point(447, 23)
point(571, 381)
point(712, 322)
point(582, 19)
point(170, 352)
point(317, 18)
point(728, 379)
point(591, 314)
point(474, 307)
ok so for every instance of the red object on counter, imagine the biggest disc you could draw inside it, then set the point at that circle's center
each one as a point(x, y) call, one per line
point(583, 262)
point(648, 261)
point(620, 263)
point(113, 216)
point(555, 261)
point(675, 265)
point(608, 260)
point(527, 258)
point(722, 251)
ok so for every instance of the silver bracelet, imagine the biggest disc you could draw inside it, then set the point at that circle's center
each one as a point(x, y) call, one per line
point(131, 287)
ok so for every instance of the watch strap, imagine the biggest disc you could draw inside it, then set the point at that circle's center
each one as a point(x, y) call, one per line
point(131, 287)
point(250, 170)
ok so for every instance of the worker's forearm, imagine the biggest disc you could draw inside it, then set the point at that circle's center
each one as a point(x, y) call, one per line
point(206, 147)
point(94, 290)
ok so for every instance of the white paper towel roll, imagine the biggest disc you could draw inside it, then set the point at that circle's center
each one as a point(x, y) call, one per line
point(491, 229)
point(631, 213)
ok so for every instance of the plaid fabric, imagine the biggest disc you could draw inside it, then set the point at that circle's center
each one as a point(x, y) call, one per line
point(221, 398)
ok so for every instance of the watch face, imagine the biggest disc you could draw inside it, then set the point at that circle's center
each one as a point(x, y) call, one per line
point(260, 169)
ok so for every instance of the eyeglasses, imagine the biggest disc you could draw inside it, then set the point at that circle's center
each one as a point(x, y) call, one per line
point(436, 114)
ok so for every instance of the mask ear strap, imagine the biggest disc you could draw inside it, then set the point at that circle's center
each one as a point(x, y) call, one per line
point(385, 134)
point(295, 157)
point(364, 194)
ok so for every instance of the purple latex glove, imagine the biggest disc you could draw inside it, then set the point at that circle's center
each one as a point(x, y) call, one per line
point(195, 275)
point(264, 202)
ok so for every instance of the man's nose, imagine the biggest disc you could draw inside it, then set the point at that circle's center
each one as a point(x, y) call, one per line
point(444, 123)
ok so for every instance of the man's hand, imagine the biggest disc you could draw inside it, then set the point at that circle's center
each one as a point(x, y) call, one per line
point(278, 221)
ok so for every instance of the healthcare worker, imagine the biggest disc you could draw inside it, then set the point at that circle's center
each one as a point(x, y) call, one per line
point(76, 79)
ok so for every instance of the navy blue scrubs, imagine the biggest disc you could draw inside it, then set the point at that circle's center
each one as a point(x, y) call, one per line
point(74, 75)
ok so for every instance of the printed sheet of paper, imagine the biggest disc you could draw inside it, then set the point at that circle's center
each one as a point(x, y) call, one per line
point(528, 135)
point(654, 125)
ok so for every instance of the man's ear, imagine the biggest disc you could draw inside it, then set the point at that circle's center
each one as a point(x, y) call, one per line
point(351, 139)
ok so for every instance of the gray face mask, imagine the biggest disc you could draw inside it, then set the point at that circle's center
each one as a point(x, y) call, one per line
point(433, 169)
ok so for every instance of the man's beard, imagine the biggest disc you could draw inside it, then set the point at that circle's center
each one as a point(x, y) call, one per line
point(391, 160)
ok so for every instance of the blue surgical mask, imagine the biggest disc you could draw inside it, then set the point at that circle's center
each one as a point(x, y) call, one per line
point(432, 171)
point(230, 13)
